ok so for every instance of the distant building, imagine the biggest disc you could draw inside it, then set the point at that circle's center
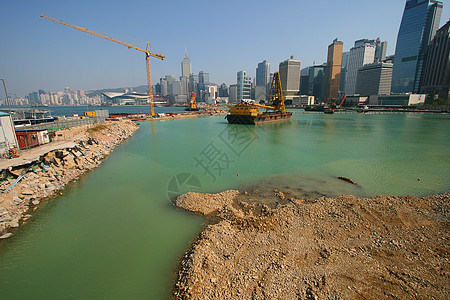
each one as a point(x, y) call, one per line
point(436, 70)
point(344, 67)
point(125, 98)
point(397, 100)
point(361, 54)
point(232, 96)
point(193, 81)
point(33, 98)
point(374, 79)
point(185, 66)
point(419, 24)
point(203, 77)
point(380, 48)
point(244, 86)
point(223, 90)
point(333, 70)
point(303, 100)
point(262, 87)
point(290, 71)
point(313, 81)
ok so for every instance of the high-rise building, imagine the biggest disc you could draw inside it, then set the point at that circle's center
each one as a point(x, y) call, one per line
point(419, 24)
point(263, 73)
point(374, 79)
point(436, 69)
point(333, 70)
point(344, 66)
point(232, 96)
point(313, 79)
point(203, 77)
point(360, 55)
point(244, 86)
point(33, 98)
point(185, 66)
point(290, 71)
point(223, 90)
point(262, 81)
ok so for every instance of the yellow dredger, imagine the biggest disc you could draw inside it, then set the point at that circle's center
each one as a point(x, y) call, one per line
point(248, 113)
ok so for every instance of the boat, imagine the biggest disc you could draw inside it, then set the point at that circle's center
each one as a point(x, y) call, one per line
point(192, 104)
point(314, 108)
point(247, 112)
point(328, 111)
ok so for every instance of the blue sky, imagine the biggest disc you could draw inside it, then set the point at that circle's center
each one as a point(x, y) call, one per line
point(222, 37)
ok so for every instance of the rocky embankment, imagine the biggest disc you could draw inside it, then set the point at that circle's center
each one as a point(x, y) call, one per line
point(323, 248)
point(25, 185)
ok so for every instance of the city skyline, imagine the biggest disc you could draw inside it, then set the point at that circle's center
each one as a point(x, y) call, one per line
point(39, 54)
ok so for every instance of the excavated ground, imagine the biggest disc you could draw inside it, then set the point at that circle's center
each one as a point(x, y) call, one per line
point(322, 248)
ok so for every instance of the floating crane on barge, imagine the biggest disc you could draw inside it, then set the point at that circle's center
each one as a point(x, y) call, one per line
point(248, 112)
point(192, 104)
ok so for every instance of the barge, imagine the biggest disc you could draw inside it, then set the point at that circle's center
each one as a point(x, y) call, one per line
point(247, 112)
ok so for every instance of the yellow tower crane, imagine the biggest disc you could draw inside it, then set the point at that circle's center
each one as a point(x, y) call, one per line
point(147, 53)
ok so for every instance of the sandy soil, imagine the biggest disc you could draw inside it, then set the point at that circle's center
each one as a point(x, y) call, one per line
point(323, 248)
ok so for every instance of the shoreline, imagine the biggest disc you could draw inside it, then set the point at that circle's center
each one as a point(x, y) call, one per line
point(338, 247)
point(45, 173)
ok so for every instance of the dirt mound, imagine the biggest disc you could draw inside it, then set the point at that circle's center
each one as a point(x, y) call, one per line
point(340, 248)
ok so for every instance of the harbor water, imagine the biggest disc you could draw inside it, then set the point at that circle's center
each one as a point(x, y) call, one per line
point(114, 234)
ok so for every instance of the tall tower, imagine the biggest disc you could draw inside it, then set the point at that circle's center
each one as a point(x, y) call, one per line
point(244, 86)
point(262, 81)
point(436, 69)
point(419, 24)
point(361, 54)
point(185, 66)
point(333, 70)
point(290, 71)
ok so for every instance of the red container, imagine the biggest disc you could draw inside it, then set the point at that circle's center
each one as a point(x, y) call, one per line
point(27, 139)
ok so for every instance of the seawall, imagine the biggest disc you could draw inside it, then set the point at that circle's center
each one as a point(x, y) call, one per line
point(29, 182)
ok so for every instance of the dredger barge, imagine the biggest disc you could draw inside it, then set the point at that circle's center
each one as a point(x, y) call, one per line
point(247, 113)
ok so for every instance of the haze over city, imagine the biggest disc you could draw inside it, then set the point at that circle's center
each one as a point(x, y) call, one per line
point(221, 38)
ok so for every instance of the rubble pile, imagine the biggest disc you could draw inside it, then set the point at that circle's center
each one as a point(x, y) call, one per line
point(320, 248)
point(53, 170)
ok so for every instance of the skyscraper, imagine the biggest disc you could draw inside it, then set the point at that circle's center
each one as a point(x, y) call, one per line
point(262, 81)
point(203, 77)
point(374, 79)
point(263, 73)
point(185, 66)
point(290, 71)
point(313, 81)
point(360, 55)
point(419, 24)
point(436, 69)
point(333, 70)
point(244, 86)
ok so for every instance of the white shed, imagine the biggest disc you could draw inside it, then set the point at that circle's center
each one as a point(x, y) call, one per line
point(8, 139)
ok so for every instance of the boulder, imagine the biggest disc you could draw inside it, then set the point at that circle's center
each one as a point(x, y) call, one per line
point(6, 235)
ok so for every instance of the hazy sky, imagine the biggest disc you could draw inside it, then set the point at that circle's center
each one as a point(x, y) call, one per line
point(222, 37)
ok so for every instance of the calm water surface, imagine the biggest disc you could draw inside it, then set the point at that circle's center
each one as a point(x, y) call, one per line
point(113, 234)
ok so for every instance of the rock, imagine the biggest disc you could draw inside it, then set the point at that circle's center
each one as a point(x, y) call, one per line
point(35, 202)
point(346, 179)
point(13, 224)
point(27, 192)
point(6, 235)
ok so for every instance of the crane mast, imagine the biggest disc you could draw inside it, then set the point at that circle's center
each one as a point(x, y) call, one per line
point(147, 53)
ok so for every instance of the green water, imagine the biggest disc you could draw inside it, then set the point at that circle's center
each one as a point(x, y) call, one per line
point(113, 234)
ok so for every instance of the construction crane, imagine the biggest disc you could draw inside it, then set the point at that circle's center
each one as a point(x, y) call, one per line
point(147, 53)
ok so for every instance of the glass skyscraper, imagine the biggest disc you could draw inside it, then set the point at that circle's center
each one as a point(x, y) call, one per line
point(419, 24)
